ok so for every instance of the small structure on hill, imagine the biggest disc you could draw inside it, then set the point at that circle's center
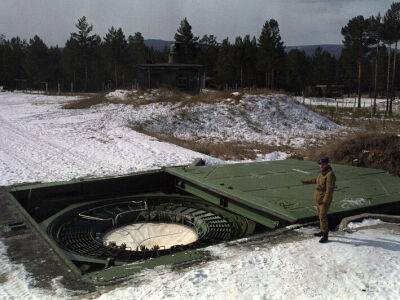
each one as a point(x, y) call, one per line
point(185, 77)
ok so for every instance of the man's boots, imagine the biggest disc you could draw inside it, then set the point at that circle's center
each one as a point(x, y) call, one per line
point(324, 238)
point(319, 233)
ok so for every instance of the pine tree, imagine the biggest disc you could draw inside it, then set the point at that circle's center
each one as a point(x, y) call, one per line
point(14, 54)
point(323, 67)
point(238, 61)
point(116, 47)
point(3, 49)
point(298, 67)
point(37, 63)
point(187, 42)
point(225, 69)
point(392, 26)
point(137, 48)
point(80, 53)
point(375, 30)
point(208, 51)
point(54, 70)
point(250, 60)
point(356, 43)
point(271, 53)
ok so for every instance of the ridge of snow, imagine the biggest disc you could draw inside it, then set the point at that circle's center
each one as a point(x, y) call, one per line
point(273, 119)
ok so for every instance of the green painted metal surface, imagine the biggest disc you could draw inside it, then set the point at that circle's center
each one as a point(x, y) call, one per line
point(116, 273)
point(274, 189)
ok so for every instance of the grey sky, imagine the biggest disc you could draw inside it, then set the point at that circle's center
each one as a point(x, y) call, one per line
point(302, 22)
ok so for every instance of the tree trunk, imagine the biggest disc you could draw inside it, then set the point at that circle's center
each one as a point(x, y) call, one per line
point(376, 78)
point(359, 83)
point(86, 77)
point(115, 76)
point(388, 78)
point(241, 77)
point(273, 79)
point(392, 94)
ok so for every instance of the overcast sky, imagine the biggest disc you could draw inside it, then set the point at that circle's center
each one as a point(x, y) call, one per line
point(302, 22)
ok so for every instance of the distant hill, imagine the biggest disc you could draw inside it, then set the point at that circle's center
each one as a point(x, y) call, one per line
point(157, 44)
point(334, 50)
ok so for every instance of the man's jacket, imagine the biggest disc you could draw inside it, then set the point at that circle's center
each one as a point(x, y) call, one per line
point(325, 182)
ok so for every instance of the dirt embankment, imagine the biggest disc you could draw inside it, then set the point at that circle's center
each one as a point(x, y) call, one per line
point(380, 151)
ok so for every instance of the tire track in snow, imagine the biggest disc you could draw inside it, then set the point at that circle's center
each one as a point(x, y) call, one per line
point(40, 142)
point(31, 157)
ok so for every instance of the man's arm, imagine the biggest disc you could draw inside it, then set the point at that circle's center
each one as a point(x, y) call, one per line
point(309, 181)
point(330, 186)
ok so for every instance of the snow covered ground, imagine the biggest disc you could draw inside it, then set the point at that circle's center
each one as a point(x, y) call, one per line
point(39, 141)
point(361, 265)
point(273, 119)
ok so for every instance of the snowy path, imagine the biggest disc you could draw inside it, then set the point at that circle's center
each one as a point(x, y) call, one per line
point(41, 142)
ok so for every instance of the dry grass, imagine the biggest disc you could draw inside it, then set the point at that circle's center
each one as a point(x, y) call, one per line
point(360, 118)
point(86, 102)
point(165, 95)
point(184, 99)
point(222, 150)
point(381, 151)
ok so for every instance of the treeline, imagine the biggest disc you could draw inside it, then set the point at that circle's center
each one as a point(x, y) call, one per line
point(368, 63)
point(86, 63)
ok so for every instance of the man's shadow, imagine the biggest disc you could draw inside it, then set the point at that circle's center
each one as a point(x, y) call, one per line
point(387, 244)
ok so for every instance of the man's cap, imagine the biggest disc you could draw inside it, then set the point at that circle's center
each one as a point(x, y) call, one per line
point(323, 160)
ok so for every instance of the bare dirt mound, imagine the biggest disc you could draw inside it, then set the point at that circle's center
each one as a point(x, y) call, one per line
point(368, 150)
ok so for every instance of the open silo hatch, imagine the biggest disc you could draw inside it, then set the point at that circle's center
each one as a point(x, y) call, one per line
point(111, 228)
point(105, 233)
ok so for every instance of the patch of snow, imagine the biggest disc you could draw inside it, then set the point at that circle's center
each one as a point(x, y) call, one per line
point(119, 94)
point(16, 283)
point(277, 155)
point(273, 119)
point(349, 202)
point(236, 94)
point(364, 223)
point(362, 265)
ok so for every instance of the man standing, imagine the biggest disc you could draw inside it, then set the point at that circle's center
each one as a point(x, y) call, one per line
point(325, 184)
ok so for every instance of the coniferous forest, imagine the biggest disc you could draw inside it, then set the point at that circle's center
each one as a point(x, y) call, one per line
point(90, 63)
